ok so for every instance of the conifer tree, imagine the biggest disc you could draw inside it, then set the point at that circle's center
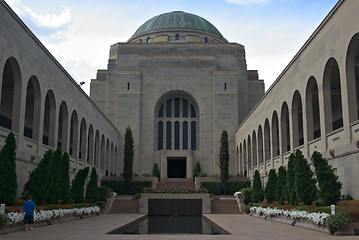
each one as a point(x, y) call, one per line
point(305, 184)
point(281, 185)
point(269, 190)
point(40, 180)
point(156, 171)
point(197, 170)
point(224, 161)
point(129, 151)
point(78, 184)
point(292, 196)
point(8, 183)
point(257, 191)
point(92, 188)
point(65, 178)
point(329, 185)
point(55, 189)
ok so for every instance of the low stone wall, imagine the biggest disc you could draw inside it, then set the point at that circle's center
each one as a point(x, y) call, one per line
point(21, 226)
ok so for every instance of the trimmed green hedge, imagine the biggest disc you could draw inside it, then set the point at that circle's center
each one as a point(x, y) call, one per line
point(103, 192)
point(118, 186)
point(247, 195)
point(214, 187)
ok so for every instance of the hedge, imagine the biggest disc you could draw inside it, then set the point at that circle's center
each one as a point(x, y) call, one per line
point(103, 193)
point(214, 187)
point(247, 195)
point(118, 186)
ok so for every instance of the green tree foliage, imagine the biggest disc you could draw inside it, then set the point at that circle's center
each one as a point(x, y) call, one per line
point(40, 180)
point(92, 188)
point(77, 186)
point(156, 171)
point(292, 196)
point(269, 191)
point(224, 161)
point(329, 185)
point(129, 152)
point(55, 189)
point(65, 178)
point(8, 183)
point(281, 185)
point(305, 184)
point(257, 191)
point(197, 170)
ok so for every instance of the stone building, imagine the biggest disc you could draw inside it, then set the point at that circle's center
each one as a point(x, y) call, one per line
point(177, 83)
point(312, 106)
point(46, 108)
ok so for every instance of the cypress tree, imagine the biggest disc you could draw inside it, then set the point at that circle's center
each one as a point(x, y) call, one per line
point(305, 184)
point(329, 185)
point(55, 189)
point(292, 196)
point(269, 191)
point(281, 185)
point(65, 178)
point(224, 161)
point(129, 151)
point(197, 170)
point(257, 191)
point(92, 189)
point(8, 183)
point(78, 184)
point(40, 180)
point(156, 171)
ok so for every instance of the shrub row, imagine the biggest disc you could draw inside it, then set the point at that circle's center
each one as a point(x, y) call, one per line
point(118, 186)
point(214, 187)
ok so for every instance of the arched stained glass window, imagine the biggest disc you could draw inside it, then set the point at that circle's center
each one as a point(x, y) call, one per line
point(177, 135)
point(193, 136)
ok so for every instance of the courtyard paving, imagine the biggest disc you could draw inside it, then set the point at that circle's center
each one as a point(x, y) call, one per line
point(242, 227)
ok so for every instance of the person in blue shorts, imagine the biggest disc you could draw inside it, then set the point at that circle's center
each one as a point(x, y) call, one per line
point(29, 207)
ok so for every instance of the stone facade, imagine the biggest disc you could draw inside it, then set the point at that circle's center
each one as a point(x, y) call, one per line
point(312, 106)
point(144, 77)
point(45, 107)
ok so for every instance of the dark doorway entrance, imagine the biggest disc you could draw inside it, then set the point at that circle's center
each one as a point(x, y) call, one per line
point(176, 167)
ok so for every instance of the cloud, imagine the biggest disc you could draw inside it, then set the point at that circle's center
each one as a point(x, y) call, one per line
point(45, 21)
point(50, 20)
point(247, 2)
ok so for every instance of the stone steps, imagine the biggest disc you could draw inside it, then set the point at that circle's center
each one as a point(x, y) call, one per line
point(224, 206)
point(125, 206)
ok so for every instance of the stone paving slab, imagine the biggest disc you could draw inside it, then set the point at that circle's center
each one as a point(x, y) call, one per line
point(242, 227)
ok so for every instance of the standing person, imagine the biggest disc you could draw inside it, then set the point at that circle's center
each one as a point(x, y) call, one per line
point(29, 207)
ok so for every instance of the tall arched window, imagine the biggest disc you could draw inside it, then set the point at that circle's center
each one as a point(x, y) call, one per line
point(177, 37)
point(254, 148)
point(49, 120)
point(63, 127)
point(275, 134)
point(32, 110)
point(260, 145)
point(267, 153)
point(178, 113)
point(312, 110)
point(297, 114)
point(332, 96)
point(10, 95)
point(285, 131)
point(73, 134)
point(249, 153)
point(352, 70)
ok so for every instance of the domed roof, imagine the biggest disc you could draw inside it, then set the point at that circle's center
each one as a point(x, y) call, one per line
point(177, 20)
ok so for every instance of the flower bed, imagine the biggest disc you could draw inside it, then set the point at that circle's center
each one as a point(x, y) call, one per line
point(317, 218)
point(15, 218)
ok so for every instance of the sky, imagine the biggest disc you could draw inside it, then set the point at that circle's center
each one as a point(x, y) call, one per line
point(79, 33)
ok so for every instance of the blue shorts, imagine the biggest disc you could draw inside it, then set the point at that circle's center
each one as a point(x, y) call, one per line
point(29, 219)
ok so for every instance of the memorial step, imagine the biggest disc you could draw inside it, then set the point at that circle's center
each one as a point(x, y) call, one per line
point(224, 206)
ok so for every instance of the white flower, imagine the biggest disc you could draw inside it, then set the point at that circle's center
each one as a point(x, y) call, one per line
point(317, 218)
point(44, 215)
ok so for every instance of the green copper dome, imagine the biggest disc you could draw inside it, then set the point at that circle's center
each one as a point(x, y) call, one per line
point(177, 20)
